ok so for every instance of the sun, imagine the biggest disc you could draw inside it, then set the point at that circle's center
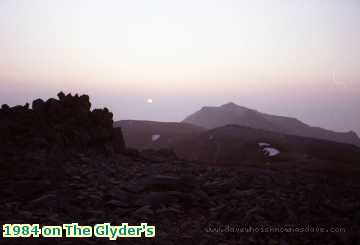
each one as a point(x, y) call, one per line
point(150, 101)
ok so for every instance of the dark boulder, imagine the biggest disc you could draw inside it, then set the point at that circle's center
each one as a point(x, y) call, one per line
point(5, 107)
point(38, 105)
point(65, 123)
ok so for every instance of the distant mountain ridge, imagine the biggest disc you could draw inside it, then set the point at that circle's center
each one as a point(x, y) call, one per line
point(231, 113)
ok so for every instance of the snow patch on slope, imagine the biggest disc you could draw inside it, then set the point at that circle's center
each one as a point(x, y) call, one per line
point(268, 150)
point(155, 137)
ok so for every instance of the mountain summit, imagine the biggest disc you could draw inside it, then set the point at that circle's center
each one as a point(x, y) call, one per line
point(231, 113)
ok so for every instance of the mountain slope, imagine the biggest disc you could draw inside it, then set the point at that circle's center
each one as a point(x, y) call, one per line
point(213, 117)
point(233, 144)
point(155, 135)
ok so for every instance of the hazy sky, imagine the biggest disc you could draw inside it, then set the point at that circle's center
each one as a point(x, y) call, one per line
point(289, 57)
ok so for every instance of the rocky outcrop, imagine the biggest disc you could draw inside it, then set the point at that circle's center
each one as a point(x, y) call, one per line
point(63, 124)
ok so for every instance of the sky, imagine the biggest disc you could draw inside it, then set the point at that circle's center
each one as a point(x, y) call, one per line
point(287, 57)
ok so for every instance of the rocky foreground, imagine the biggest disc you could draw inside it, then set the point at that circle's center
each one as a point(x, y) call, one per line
point(46, 179)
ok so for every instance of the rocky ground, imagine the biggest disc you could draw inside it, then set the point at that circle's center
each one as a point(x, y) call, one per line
point(187, 202)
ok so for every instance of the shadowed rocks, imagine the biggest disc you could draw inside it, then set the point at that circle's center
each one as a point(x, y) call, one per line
point(62, 124)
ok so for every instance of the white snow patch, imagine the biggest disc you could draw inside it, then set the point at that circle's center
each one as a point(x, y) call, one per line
point(269, 151)
point(155, 137)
